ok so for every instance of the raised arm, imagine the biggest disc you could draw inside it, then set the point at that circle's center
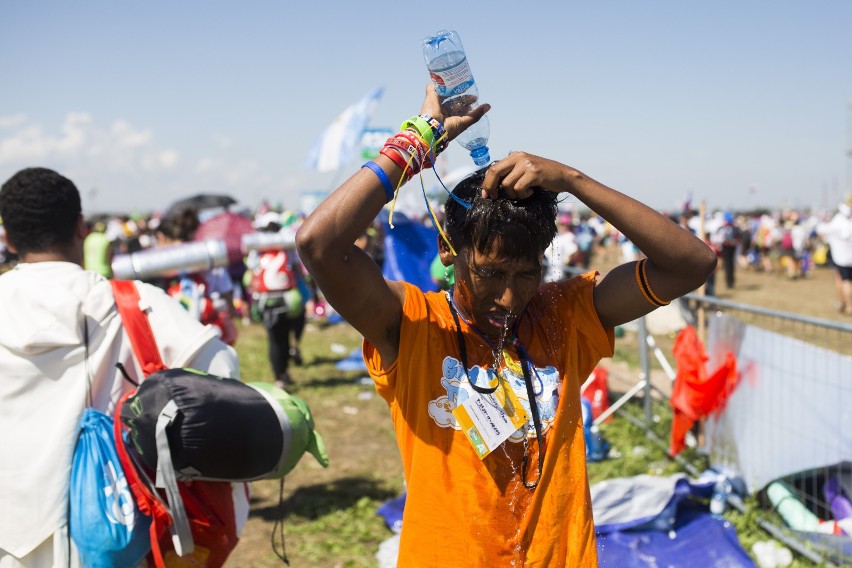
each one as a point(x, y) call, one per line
point(350, 281)
point(677, 261)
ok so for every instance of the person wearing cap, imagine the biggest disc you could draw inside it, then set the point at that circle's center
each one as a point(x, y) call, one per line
point(483, 381)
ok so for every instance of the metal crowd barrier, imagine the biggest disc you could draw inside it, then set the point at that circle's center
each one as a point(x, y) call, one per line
point(818, 353)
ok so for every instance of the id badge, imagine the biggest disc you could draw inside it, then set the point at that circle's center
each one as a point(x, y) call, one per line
point(489, 419)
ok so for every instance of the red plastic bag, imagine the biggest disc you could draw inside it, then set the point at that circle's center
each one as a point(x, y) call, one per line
point(597, 392)
point(697, 394)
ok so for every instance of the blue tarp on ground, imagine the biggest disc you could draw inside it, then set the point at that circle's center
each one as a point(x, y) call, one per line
point(647, 521)
point(410, 248)
point(353, 362)
point(698, 541)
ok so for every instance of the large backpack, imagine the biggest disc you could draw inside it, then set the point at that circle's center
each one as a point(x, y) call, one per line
point(186, 425)
point(276, 286)
point(273, 273)
point(197, 522)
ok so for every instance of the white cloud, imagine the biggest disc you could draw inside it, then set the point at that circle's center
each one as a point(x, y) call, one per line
point(12, 120)
point(82, 142)
point(119, 166)
point(127, 136)
point(28, 144)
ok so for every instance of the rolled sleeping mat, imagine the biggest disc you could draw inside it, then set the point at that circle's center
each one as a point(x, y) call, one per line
point(171, 260)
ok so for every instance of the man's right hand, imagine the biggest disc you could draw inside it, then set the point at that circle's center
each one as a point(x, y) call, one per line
point(455, 124)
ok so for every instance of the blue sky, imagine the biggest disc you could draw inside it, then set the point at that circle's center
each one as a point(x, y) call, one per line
point(736, 103)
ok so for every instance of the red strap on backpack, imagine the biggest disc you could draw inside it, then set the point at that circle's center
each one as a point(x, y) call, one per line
point(149, 504)
point(137, 326)
point(147, 354)
point(208, 503)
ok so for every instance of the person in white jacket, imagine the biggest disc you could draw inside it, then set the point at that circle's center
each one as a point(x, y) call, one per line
point(837, 233)
point(60, 340)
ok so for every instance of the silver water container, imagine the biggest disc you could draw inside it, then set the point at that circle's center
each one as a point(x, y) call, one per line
point(171, 260)
point(264, 241)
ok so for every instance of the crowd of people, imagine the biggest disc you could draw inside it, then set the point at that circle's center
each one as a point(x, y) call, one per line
point(481, 374)
point(784, 243)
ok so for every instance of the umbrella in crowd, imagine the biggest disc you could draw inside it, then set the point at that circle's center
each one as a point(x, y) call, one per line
point(199, 202)
point(229, 227)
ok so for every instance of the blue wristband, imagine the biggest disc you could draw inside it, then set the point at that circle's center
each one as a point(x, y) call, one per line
point(383, 177)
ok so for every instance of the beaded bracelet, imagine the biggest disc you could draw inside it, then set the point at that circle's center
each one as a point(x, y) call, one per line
point(645, 286)
point(383, 177)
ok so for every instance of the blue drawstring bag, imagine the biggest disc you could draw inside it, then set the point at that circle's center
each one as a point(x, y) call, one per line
point(104, 521)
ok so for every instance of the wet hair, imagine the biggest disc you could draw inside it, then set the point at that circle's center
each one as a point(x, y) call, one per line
point(40, 209)
point(181, 226)
point(522, 226)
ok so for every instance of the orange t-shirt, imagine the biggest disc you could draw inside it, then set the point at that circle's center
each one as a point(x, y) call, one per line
point(466, 512)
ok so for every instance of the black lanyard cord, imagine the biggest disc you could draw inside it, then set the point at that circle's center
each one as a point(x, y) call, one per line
point(525, 367)
point(463, 354)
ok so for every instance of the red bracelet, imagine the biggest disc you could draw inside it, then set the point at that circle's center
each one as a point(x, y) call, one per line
point(408, 151)
point(426, 152)
point(397, 158)
point(409, 146)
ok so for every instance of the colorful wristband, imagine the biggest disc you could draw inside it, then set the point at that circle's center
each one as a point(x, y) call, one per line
point(411, 152)
point(439, 132)
point(426, 153)
point(402, 162)
point(421, 126)
point(383, 177)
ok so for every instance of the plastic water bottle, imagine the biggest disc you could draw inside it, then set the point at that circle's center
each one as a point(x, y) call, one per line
point(719, 501)
point(449, 69)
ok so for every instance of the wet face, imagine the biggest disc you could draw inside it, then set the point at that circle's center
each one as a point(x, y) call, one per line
point(491, 290)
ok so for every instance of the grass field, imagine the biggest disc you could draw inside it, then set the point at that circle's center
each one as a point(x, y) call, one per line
point(329, 515)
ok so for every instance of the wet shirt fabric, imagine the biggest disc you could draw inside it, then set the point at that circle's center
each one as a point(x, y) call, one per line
point(463, 511)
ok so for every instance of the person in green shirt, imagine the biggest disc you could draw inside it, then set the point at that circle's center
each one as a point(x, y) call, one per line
point(97, 250)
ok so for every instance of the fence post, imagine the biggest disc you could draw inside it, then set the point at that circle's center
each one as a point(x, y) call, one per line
point(646, 367)
point(702, 209)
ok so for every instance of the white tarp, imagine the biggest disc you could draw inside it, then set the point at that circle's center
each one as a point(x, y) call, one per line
point(791, 411)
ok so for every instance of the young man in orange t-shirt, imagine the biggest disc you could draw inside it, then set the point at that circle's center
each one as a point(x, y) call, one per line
point(483, 381)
